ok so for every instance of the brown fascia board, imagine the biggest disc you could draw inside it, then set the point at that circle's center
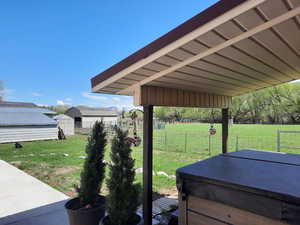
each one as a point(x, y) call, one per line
point(190, 25)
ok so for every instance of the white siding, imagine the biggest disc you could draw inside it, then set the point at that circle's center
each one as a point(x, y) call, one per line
point(66, 123)
point(27, 133)
point(110, 119)
point(88, 122)
point(67, 126)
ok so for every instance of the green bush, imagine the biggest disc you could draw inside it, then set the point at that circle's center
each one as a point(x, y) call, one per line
point(124, 195)
point(94, 168)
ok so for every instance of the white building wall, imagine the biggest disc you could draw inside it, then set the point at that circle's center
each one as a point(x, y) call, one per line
point(27, 133)
point(67, 126)
point(88, 122)
point(112, 120)
point(66, 123)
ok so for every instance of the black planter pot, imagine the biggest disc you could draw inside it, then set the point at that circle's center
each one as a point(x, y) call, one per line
point(81, 216)
point(103, 221)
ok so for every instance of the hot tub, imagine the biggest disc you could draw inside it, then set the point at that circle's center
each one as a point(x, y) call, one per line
point(241, 188)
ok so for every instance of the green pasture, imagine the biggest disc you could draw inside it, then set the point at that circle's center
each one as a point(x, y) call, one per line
point(59, 163)
point(194, 138)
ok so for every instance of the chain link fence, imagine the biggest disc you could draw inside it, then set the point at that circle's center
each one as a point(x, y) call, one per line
point(209, 145)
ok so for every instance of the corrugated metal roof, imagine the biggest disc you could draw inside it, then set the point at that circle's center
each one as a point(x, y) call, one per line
point(27, 109)
point(89, 111)
point(62, 117)
point(18, 104)
point(24, 118)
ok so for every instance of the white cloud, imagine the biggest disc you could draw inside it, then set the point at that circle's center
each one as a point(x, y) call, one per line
point(116, 99)
point(66, 101)
point(7, 94)
point(93, 97)
point(6, 91)
point(126, 106)
point(60, 102)
point(36, 94)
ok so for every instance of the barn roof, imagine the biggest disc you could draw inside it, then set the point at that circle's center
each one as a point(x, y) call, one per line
point(26, 109)
point(90, 111)
point(23, 107)
point(18, 104)
point(62, 117)
point(24, 119)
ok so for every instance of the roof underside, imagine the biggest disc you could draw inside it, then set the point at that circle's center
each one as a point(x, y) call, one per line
point(232, 48)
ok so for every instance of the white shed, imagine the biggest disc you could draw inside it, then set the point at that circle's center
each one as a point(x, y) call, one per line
point(26, 126)
point(66, 123)
point(25, 122)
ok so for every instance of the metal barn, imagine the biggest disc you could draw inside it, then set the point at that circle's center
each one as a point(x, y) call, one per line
point(25, 122)
point(85, 117)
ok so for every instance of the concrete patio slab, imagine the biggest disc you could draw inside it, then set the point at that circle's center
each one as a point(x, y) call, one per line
point(26, 201)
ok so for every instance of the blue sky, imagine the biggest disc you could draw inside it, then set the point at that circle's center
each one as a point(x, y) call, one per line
point(49, 50)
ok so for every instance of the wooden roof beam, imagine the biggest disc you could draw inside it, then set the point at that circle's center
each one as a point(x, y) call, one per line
point(159, 96)
point(180, 42)
point(290, 14)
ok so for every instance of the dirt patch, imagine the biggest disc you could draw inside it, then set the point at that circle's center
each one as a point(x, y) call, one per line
point(66, 169)
point(71, 193)
point(169, 192)
point(16, 163)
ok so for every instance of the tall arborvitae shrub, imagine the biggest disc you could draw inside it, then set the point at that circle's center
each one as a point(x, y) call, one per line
point(124, 195)
point(93, 171)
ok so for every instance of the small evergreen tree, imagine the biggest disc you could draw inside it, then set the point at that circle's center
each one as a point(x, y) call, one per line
point(124, 195)
point(94, 168)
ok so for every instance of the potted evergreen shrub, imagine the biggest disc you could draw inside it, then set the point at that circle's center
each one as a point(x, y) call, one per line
point(124, 194)
point(89, 207)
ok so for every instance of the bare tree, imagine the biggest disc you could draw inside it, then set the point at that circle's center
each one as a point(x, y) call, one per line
point(1, 91)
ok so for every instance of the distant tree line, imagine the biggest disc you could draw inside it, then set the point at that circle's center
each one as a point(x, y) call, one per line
point(275, 105)
point(60, 109)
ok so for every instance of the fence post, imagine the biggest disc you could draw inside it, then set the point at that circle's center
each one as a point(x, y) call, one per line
point(166, 144)
point(278, 140)
point(237, 143)
point(185, 141)
point(209, 145)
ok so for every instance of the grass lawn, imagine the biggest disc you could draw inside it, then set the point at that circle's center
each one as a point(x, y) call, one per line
point(194, 138)
point(59, 163)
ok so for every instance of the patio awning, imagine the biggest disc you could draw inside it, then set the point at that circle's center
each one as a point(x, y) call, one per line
point(233, 47)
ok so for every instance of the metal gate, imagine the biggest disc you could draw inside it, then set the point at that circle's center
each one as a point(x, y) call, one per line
point(292, 141)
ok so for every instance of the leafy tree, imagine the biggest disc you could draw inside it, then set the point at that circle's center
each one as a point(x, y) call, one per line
point(279, 104)
point(238, 109)
point(276, 104)
point(161, 113)
point(255, 103)
point(123, 199)
point(294, 103)
point(94, 168)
